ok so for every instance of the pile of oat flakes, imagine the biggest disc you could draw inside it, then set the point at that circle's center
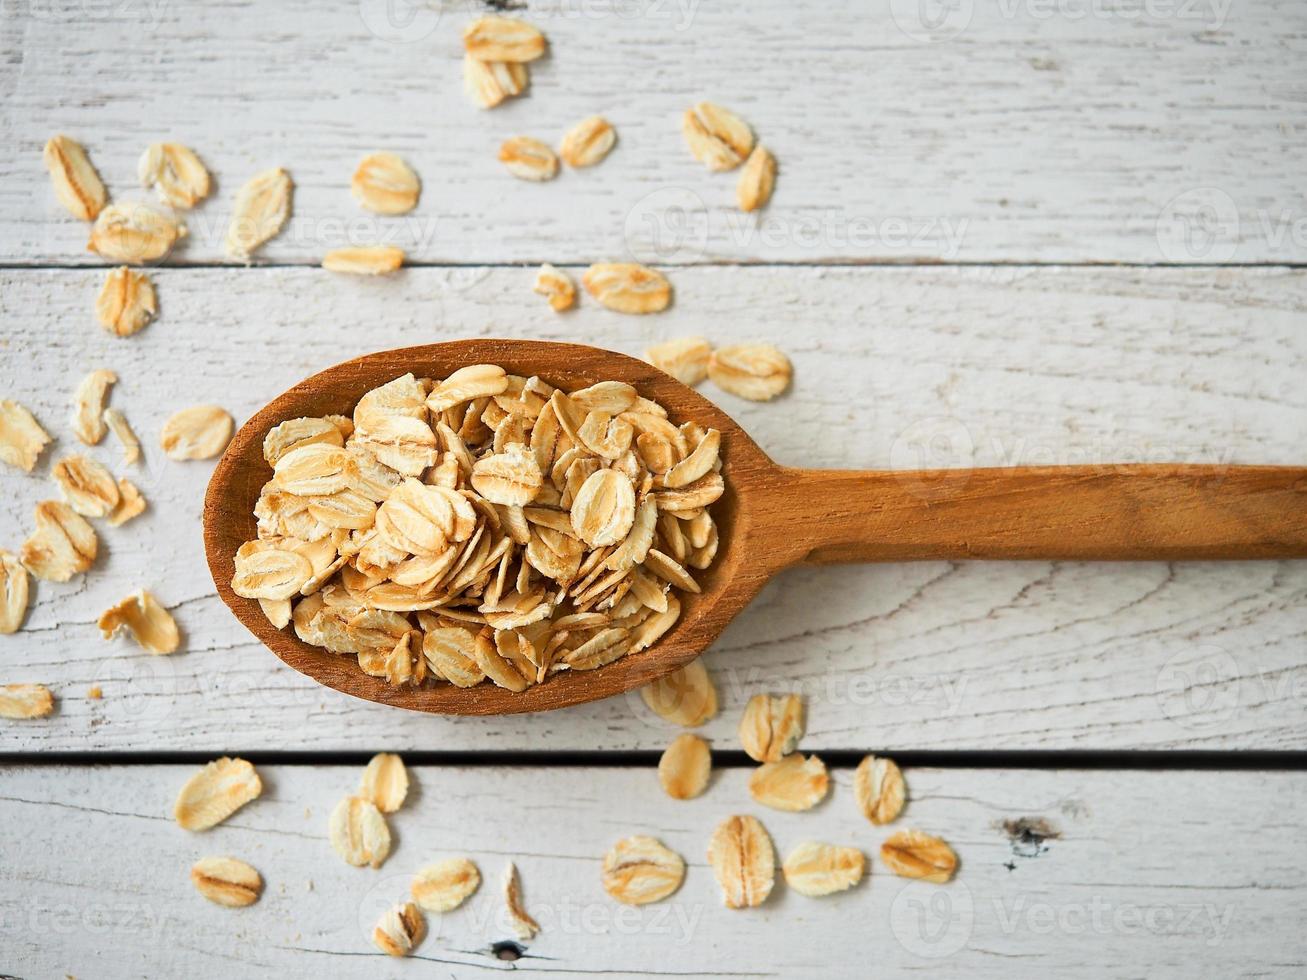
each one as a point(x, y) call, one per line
point(483, 526)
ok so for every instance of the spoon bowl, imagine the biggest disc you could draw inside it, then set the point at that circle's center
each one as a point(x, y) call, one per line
point(772, 517)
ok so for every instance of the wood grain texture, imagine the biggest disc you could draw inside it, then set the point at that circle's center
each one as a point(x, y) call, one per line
point(895, 368)
point(1027, 131)
point(1102, 512)
point(1140, 876)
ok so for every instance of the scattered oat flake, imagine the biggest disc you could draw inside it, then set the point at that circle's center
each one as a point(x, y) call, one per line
point(758, 372)
point(134, 233)
point(198, 432)
point(444, 885)
point(21, 701)
point(815, 869)
point(488, 83)
point(913, 854)
point(717, 137)
point(215, 792)
point(176, 174)
point(127, 301)
point(639, 870)
point(757, 179)
point(130, 503)
point(528, 159)
point(88, 405)
point(400, 930)
point(684, 767)
point(117, 423)
point(63, 544)
point(685, 697)
point(21, 437)
point(525, 926)
point(794, 783)
point(588, 142)
point(685, 359)
point(150, 624)
point(226, 881)
point(358, 832)
point(86, 485)
point(384, 183)
point(13, 592)
point(743, 861)
point(376, 260)
point(261, 210)
point(879, 789)
point(76, 184)
point(628, 287)
point(771, 726)
point(385, 782)
point(502, 39)
point(557, 286)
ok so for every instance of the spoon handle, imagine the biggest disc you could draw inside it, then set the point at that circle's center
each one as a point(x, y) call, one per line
point(1098, 513)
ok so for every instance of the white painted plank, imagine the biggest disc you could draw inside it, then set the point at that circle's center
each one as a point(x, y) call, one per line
point(1024, 131)
point(1145, 879)
point(1024, 365)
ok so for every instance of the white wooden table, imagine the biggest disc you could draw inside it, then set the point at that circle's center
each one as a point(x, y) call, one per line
point(1005, 233)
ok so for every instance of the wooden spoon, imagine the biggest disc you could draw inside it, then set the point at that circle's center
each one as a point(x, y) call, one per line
point(774, 516)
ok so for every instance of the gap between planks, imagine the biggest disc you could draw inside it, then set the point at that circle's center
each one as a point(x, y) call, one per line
point(832, 263)
point(1257, 760)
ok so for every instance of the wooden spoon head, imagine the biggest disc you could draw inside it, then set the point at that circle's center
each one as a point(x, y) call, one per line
point(736, 575)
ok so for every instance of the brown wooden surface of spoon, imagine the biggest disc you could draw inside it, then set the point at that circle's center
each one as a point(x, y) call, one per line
point(773, 517)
